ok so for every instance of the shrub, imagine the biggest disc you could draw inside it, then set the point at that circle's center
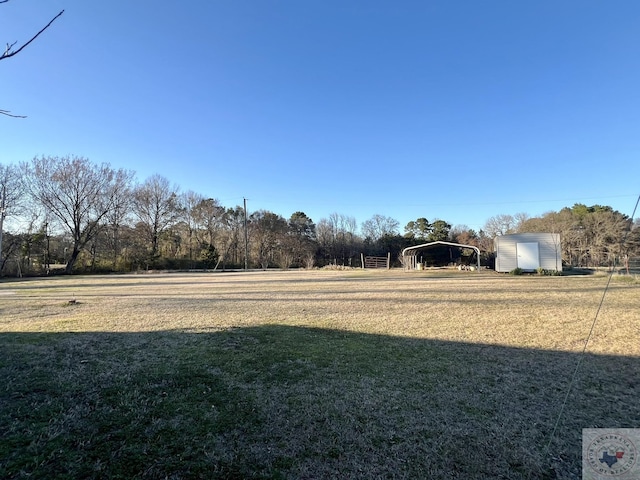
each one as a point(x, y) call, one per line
point(516, 271)
point(548, 273)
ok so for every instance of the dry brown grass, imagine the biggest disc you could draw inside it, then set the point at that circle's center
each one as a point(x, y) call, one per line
point(367, 374)
point(531, 312)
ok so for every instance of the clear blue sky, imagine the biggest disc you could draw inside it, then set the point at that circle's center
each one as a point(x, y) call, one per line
point(457, 110)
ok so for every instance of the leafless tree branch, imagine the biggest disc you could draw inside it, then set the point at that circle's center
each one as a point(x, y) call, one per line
point(9, 53)
point(8, 113)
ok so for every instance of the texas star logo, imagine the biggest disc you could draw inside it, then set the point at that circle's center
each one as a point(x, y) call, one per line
point(611, 454)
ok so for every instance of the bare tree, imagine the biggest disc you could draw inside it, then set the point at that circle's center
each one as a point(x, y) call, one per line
point(232, 223)
point(77, 193)
point(338, 239)
point(520, 219)
point(500, 225)
point(188, 203)
point(632, 244)
point(591, 236)
point(608, 229)
point(117, 218)
point(10, 196)
point(156, 205)
point(463, 234)
point(209, 221)
point(378, 226)
point(268, 231)
point(11, 50)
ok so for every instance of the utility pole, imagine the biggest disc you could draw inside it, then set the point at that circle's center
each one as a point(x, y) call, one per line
point(246, 238)
point(48, 254)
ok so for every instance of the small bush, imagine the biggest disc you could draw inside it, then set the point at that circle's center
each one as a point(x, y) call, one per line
point(516, 271)
point(548, 273)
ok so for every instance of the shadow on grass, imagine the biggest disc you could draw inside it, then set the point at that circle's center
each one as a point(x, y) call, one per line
point(288, 402)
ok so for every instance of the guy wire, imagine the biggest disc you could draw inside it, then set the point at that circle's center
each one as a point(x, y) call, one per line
point(586, 343)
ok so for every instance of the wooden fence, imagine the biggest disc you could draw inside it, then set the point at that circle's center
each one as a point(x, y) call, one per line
point(376, 262)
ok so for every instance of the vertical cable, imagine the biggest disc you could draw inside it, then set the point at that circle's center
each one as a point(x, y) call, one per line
point(584, 349)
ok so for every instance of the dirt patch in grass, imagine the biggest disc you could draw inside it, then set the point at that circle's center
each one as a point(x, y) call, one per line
point(311, 375)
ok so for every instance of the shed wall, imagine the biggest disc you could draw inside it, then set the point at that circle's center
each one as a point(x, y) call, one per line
point(506, 255)
point(548, 247)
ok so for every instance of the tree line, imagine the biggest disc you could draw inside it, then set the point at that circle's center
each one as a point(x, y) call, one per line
point(71, 215)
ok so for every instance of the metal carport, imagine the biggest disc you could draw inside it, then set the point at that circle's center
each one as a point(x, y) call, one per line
point(409, 254)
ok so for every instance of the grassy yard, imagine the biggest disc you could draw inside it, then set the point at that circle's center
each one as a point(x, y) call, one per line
point(291, 375)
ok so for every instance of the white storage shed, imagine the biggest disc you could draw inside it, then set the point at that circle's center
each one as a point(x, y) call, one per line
point(528, 251)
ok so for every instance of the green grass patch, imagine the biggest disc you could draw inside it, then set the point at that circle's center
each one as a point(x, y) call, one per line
point(289, 402)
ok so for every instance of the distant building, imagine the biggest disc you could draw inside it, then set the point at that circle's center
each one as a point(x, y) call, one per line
point(528, 251)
